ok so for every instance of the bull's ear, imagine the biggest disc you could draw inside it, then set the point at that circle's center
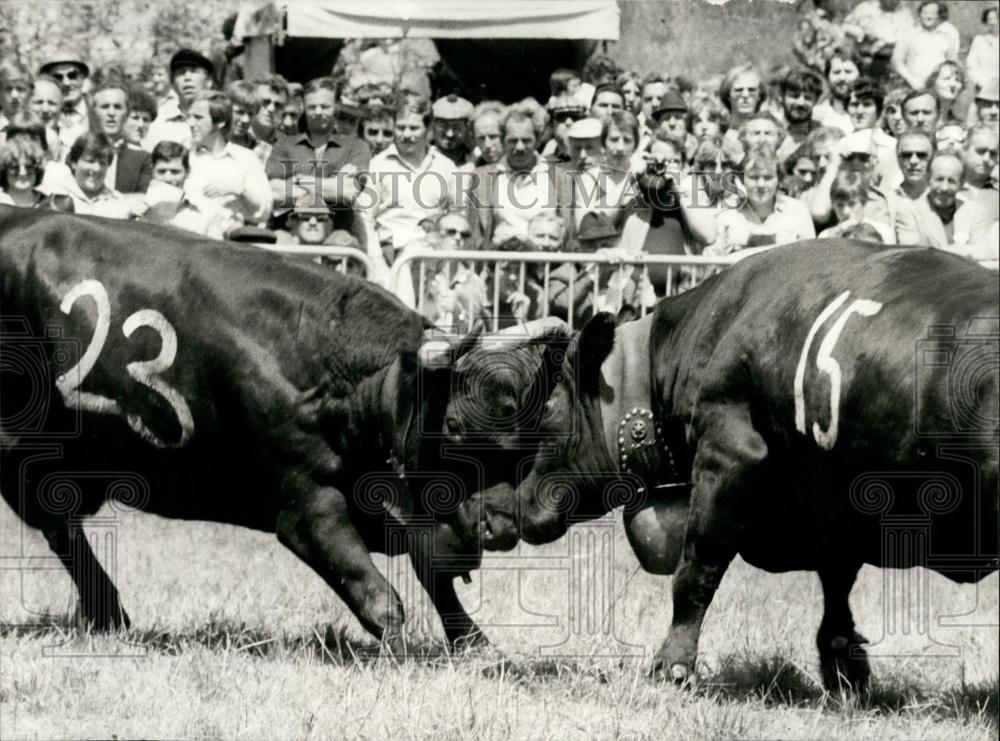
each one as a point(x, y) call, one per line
point(469, 342)
point(595, 343)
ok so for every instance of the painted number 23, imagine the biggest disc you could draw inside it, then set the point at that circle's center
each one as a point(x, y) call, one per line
point(825, 363)
point(145, 372)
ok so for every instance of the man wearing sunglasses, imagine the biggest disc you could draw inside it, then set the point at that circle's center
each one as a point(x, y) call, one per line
point(564, 111)
point(70, 72)
point(450, 129)
point(942, 216)
point(272, 97)
point(914, 150)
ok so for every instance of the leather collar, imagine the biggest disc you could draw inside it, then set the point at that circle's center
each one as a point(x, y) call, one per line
point(632, 422)
point(397, 405)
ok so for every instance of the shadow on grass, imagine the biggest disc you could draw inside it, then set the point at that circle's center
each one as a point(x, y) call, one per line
point(775, 681)
point(326, 644)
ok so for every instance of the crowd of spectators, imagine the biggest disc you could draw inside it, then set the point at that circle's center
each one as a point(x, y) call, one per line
point(870, 135)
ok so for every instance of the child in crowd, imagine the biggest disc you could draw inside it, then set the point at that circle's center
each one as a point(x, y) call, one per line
point(849, 194)
point(167, 202)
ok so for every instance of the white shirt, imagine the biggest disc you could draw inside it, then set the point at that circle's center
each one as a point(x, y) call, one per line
point(825, 115)
point(170, 124)
point(519, 198)
point(404, 195)
point(235, 179)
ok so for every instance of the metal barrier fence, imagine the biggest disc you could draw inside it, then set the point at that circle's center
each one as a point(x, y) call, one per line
point(343, 254)
point(694, 268)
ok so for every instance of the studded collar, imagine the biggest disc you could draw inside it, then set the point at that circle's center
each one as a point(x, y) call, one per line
point(633, 429)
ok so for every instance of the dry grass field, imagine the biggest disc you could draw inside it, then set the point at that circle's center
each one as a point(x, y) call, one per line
point(234, 638)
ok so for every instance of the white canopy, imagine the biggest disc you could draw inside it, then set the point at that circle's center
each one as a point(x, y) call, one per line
point(453, 19)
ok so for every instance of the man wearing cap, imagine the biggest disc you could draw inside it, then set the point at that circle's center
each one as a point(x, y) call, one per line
point(70, 72)
point(584, 170)
point(450, 130)
point(671, 116)
point(190, 74)
point(309, 224)
point(988, 103)
point(564, 111)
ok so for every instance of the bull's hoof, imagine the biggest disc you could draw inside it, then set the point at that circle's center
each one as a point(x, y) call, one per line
point(680, 674)
point(844, 663)
point(101, 619)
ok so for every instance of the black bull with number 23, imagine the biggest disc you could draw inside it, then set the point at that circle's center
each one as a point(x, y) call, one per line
point(818, 407)
point(199, 380)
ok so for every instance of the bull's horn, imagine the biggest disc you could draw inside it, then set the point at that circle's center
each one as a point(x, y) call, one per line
point(523, 331)
point(435, 352)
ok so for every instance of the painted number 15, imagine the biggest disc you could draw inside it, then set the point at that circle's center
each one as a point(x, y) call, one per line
point(826, 363)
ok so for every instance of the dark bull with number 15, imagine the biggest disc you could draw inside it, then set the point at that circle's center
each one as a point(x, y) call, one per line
point(818, 407)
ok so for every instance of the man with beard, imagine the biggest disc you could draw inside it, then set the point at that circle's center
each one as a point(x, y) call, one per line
point(942, 217)
point(800, 91)
point(190, 74)
point(70, 72)
point(842, 69)
point(671, 116)
point(451, 129)
point(131, 169)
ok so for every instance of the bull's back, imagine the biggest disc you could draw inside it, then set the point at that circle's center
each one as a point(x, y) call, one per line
point(872, 376)
point(182, 359)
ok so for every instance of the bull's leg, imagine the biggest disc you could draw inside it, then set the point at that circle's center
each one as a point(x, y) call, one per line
point(320, 532)
point(727, 464)
point(459, 627)
point(843, 661)
point(100, 606)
